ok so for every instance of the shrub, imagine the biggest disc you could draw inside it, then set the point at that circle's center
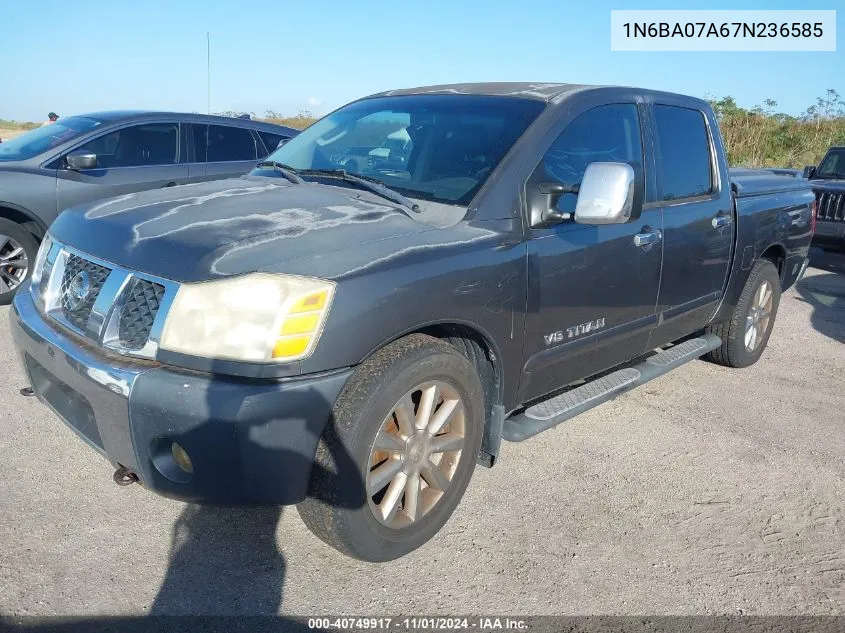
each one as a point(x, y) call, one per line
point(761, 137)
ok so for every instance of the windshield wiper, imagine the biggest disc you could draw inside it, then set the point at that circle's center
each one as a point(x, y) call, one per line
point(285, 170)
point(370, 184)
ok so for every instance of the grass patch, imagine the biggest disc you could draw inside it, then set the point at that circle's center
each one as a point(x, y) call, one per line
point(17, 125)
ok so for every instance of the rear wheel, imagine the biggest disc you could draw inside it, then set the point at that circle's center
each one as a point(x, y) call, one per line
point(410, 421)
point(745, 335)
point(17, 255)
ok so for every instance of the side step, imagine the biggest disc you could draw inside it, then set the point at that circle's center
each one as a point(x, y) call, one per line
point(544, 415)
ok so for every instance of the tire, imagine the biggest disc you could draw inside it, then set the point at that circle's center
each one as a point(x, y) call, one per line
point(339, 508)
point(735, 351)
point(14, 236)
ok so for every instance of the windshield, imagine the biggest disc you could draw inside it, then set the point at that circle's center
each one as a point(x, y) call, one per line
point(833, 165)
point(43, 138)
point(432, 147)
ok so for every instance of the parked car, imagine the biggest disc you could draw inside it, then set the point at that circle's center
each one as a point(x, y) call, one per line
point(828, 182)
point(92, 156)
point(354, 343)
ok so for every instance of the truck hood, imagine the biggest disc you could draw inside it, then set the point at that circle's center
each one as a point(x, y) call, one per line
point(828, 184)
point(229, 227)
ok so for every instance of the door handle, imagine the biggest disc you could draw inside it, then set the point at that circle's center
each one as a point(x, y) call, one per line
point(647, 238)
point(720, 220)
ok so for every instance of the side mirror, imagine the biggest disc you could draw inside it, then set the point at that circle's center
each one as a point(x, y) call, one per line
point(606, 195)
point(543, 203)
point(809, 171)
point(282, 142)
point(80, 159)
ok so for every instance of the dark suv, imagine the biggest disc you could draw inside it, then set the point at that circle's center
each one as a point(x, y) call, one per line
point(83, 158)
point(828, 182)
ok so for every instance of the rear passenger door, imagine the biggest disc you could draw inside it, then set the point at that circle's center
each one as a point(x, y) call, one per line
point(222, 151)
point(129, 159)
point(697, 219)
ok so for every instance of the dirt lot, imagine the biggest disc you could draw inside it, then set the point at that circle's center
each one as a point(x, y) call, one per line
point(707, 491)
point(7, 134)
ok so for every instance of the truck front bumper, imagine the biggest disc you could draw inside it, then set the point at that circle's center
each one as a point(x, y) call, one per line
point(830, 233)
point(248, 441)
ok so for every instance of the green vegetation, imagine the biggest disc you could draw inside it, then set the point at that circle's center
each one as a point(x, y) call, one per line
point(301, 121)
point(17, 125)
point(762, 137)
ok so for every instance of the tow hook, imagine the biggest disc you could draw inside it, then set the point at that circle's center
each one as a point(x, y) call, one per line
point(124, 477)
point(27, 391)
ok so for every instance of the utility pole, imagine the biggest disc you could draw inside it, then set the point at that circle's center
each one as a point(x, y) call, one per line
point(208, 60)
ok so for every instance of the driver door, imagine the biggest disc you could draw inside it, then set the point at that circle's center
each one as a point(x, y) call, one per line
point(592, 288)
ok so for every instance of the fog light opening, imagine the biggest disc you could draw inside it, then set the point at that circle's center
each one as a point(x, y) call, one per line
point(171, 460)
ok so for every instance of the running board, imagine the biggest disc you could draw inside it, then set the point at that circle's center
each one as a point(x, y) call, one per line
point(549, 413)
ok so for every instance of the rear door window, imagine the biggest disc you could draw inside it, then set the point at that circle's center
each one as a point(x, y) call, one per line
point(137, 146)
point(683, 153)
point(200, 136)
point(226, 144)
point(271, 141)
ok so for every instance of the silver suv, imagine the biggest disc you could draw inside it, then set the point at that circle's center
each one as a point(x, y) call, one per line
point(83, 158)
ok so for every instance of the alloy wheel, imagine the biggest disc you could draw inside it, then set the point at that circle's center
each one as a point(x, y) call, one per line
point(14, 264)
point(415, 454)
point(757, 321)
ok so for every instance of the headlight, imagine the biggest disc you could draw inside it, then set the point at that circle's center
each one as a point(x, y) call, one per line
point(40, 258)
point(258, 317)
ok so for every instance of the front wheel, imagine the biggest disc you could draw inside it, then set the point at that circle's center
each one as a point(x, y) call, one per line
point(18, 249)
point(745, 335)
point(409, 422)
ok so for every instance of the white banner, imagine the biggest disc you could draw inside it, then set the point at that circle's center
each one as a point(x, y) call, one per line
point(676, 30)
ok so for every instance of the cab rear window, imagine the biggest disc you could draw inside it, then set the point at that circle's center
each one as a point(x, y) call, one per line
point(683, 149)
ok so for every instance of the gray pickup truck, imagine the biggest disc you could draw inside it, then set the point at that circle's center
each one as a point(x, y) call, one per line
point(354, 342)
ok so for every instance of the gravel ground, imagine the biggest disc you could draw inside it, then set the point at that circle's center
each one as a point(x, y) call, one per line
point(708, 491)
point(8, 134)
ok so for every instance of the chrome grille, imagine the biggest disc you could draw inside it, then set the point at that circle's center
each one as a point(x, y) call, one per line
point(81, 283)
point(143, 299)
point(830, 205)
point(118, 309)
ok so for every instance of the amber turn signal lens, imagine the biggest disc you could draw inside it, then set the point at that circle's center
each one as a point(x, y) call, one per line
point(290, 347)
point(314, 301)
point(300, 324)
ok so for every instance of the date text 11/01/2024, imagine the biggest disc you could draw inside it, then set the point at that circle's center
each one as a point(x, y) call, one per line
point(419, 623)
point(724, 30)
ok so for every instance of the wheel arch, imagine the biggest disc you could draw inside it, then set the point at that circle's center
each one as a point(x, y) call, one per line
point(21, 215)
point(481, 349)
point(454, 330)
point(776, 253)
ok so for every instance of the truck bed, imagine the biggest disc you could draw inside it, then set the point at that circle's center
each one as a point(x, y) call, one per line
point(750, 182)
